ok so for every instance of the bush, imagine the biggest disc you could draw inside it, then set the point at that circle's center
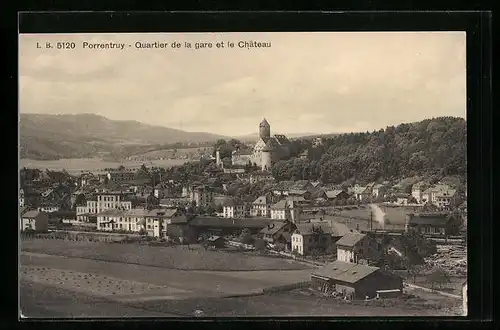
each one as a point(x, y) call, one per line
point(260, 244)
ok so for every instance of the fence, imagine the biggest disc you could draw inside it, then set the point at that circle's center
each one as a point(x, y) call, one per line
point(238, 244)
point(301, 259)
point(69, 236)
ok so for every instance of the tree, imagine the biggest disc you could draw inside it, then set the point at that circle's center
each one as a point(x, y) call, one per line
point(260, 244)
point(246, 237)
point(438, 277)
point(80, 200)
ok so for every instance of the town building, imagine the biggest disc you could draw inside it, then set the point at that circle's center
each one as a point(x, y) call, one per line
point(261, 207)
point(159, 219)
point(337, 194)
point(104, 201)
point(402, 198)
point(441, 195)
point(202, 196)
point(362, 194)
point(21, 198)
point(285, 210)
point(265, 152)
point(356, 281)
point(119, 176)
point(443, 224)
point(231, 226)
point(217, 242)
point(311, 237)
point(109, 220)
point(357, 248)
point(261, 176)
point(34, 220)
point(417, 191)
point(379, 190)
point(279, 232)
point(48, 208)
point(234, 209)
point(135, 219)
point(163, 190)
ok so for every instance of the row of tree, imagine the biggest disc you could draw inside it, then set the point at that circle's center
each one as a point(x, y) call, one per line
point(430, 147)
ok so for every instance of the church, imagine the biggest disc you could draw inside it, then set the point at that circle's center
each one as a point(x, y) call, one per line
point(265, 152)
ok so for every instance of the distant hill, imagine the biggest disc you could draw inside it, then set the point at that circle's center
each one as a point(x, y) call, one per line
point(85, 135)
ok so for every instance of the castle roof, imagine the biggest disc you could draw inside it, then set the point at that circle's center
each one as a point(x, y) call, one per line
point(264, 123)
point(271, 145)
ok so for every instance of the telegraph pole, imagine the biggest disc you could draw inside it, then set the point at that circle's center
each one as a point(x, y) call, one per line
point(371, 221)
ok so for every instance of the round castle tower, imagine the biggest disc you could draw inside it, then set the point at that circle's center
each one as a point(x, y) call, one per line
point(266, 158)
point(264, 130)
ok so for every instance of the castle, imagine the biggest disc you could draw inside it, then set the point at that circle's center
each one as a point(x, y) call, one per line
point(265, 152)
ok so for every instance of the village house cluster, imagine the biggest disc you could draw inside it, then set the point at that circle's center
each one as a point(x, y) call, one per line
point(289, 216)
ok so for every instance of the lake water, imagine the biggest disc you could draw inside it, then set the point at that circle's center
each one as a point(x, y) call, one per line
point(77, 165)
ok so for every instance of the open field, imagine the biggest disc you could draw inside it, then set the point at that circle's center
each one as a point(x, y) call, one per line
point(76, 165)
point(175, 257)
point(55, 286)
point(45, 301)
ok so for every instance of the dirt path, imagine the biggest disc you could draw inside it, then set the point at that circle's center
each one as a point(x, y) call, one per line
point(434, 291)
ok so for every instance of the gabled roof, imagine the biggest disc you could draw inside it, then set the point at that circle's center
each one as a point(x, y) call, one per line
point(446, 193)
point(214, 238)
point(271, 144)
point(281, 139)
point(31, 214)
point(350, 239)
point(136, 212)
point(345, 271)
point(242, 152)
point(273, 227)
point(162, 185)
point(162, 213)
point(360, 190)
point(261, 200)
point(283, 204)
point(339, 229)
point(112, 212)
point(437, 219)
point(333, 193)
point(297, 191)
point(217, 222)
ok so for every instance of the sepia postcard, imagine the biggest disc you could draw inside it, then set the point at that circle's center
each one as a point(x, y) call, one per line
point(242, 174)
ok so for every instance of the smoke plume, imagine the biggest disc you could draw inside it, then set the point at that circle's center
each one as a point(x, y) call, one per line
point(378, 214)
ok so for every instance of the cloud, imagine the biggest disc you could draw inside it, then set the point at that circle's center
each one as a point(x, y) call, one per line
point(306, 82)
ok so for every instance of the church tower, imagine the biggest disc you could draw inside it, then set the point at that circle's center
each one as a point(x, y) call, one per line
point(264, 130)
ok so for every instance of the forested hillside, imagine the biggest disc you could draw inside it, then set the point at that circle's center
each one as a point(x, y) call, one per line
point(428, 148)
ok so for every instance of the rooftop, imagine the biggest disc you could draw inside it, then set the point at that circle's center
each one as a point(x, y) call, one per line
point(437, 219)
point(345, 272)
point(333, 193)
point(273, 227)
point(350, 239)
point(261, 200)
point(31, 214)
point(218, 222)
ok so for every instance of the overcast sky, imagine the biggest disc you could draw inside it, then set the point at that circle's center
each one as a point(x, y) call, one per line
point(304, 83)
